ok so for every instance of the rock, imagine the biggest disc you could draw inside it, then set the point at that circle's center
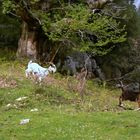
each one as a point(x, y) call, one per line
point(133, 87)
point(69, 66)
point(24, 121)
point(79, 60)
point(21, 98)
point(34, 110)
point(9, 105)
point(99, 74)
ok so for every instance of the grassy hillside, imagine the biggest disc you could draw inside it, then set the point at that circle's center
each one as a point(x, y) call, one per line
point(56, 110)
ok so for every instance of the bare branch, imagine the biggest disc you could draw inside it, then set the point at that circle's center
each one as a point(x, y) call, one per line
point(14, 15)
point(30, 12)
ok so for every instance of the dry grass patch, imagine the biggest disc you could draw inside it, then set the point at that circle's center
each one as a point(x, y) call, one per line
point(7, 83)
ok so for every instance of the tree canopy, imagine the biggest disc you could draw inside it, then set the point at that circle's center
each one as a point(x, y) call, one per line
point(72, 23)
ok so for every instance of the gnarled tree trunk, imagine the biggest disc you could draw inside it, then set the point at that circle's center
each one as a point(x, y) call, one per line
point(27, 45)
point(33, 39)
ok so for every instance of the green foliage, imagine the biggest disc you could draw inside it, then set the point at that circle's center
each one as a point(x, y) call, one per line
point(88, 32)
point(125, 57)
point(8, 6)
point(130, 16)
point(74, 24)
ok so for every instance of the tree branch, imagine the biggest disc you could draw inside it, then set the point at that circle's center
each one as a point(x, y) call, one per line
point(30, 12)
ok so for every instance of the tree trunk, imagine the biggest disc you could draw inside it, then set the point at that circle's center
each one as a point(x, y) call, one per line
point(27, 45)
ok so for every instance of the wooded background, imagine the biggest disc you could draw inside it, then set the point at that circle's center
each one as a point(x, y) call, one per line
point(52, 30)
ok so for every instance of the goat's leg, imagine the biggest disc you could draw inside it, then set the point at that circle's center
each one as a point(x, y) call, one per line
point(35, 77)
point(120, 101)
point(27, 73)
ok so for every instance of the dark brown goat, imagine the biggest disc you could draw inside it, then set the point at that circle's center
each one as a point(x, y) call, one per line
point(129, 92)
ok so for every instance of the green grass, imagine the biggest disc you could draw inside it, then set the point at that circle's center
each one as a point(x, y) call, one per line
point(55, 124)
point(62, 114)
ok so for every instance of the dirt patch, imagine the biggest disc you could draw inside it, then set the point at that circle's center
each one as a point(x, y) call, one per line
point(49, 80)
point(7, 83)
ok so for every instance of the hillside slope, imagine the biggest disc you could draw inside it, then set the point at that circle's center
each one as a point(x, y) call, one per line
point(57, 111)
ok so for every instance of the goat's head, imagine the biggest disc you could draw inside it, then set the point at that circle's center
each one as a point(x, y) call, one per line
point(120, 84)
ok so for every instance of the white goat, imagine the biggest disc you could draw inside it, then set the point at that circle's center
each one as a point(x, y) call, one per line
point(38, 72)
